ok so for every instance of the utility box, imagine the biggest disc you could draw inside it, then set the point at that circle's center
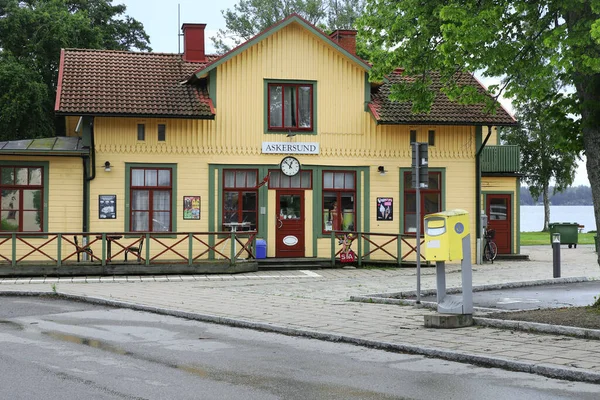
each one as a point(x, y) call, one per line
point(569, 232)
point(444, 233)
point(261, 249)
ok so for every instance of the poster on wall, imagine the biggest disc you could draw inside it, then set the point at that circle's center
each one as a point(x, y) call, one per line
point(107, 206)
point(385, 209)
point(191, 207)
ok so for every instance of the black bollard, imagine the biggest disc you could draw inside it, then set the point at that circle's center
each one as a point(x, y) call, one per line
point(556, 254)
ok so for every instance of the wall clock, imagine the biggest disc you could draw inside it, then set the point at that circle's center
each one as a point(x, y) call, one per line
point(290, 166)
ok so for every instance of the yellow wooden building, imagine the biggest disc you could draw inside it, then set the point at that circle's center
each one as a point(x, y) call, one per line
point(285, 135)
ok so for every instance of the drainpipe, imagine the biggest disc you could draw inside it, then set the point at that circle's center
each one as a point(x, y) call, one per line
point(88, 139)
point(478, 185)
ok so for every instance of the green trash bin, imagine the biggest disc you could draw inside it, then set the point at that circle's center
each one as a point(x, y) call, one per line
point(569, 232)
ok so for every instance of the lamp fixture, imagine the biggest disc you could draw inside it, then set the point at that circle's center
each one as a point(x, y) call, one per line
point(107, 166)
point(381, 170)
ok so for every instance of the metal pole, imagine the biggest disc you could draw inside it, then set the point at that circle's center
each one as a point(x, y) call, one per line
point(418, 226)
point(556, 255)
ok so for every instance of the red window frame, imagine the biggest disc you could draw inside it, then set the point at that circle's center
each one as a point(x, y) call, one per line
point(283, 127)
point(249, 184)
point(20, 210)
point(150, 189)
point(408, 190)
point(338, 217)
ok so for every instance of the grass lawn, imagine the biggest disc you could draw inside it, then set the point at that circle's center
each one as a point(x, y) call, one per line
point(534, 238)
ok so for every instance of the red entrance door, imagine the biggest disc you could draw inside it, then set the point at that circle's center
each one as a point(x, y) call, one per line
point(289, 224)
point(499, 215)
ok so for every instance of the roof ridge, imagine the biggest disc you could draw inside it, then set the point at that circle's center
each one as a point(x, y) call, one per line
point(145, 53)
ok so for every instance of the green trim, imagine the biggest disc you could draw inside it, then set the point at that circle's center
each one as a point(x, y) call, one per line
point(478, 143)
point(211, 209)
point(512, 217)
point(212, 86)
point(46, 180)
point(401, 202)
point(266, 83)
point(367, 91)
point(518, 222)
point(367, 208)
point(174, 197)
point(317, 202)
point(272, 30)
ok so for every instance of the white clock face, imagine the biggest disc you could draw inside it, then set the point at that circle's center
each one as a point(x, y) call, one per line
point(290, 166)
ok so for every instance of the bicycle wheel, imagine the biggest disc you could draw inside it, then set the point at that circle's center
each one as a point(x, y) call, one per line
point(487, 252)
point(493, 250)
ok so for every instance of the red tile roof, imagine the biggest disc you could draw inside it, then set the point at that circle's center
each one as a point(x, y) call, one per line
point(121, 83)
point(443, 111)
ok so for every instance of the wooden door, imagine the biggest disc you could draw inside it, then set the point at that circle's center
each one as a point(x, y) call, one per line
point(289, 224)
point(498, 210)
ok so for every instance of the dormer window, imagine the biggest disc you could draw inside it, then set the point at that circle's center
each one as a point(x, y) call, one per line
point(290, 106)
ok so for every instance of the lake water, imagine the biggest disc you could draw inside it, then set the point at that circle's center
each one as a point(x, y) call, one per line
point(532, 217)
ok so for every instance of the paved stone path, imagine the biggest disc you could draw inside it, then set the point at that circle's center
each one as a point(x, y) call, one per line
point(316, 304)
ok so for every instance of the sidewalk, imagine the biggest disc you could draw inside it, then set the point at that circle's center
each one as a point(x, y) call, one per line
point(316, 304)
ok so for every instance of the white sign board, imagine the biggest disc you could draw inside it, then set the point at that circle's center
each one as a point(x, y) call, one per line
point(290, 148)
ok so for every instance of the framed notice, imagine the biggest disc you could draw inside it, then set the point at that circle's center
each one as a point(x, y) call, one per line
point(385, 209)
point(191, 207)
point(107, 206)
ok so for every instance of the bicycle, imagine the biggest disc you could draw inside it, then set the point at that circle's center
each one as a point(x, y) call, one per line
point(490, 251)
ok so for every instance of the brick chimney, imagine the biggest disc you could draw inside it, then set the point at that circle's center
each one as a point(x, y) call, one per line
point(193, 42)
point(346, 39)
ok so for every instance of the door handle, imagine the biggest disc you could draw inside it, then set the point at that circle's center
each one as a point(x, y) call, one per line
point(280, 225)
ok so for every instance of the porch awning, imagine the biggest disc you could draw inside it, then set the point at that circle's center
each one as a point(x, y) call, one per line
point(60, 145)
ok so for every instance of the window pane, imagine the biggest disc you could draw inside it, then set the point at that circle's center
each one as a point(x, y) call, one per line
point(347, 212)
point(140, 200)
point(164, 177)
point(137, 177)
point(251, 179)
point(349, 184)
point(139, 221)
point(410, 202)
point(304, 110)
point(160, 221)
point(295, 181)
point(305, 179)
point(275, 106)
point(434, 181)
point(230, 207)
point(330, 212)
point(249, 201)
point(285, 182)
point(410, 223)
point(289, 106)
point(162, 132)
point(10, 199)
point(407, 180)
point(289, 206)
point(432, 203)
point(249, 216)
point(498, 209)
point(35, 176)
point(8, 177)
point(328, 180)
point(32, 221)
point(161, 200)
point(338, 180)
point(21, 176)
point(229, 180)
point(32, 199)
point(240, 179)
point(151, 177)
point(141, 132)
point(10, 221)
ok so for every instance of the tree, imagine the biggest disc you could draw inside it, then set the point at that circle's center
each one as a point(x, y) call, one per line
point(249, 17)
point(32, 34)
point(529, 45)
point(546, 153)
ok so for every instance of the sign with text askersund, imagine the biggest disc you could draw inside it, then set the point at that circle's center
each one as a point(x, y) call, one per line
point(290, 147)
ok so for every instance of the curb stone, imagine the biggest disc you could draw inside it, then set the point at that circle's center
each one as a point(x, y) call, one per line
point(551, 371)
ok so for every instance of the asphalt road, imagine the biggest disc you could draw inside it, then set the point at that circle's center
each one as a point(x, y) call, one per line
point(534, 297)
point(57, 349)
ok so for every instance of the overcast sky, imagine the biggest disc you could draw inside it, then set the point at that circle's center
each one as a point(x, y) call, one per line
point(160, 23)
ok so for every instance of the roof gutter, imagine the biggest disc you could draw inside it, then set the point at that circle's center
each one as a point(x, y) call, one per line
point(478, 179)
point(89, 162)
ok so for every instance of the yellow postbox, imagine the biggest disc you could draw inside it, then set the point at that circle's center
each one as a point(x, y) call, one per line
point(444, 232)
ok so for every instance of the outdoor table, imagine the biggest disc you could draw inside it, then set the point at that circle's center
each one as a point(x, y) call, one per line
point(109, 240)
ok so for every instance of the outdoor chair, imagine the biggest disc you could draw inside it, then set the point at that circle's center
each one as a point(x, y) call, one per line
point(82, 249)
point(135, 250)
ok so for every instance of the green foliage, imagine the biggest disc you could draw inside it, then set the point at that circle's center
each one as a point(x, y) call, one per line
point(32, 33)
point(249, 17)
point(543, 238)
